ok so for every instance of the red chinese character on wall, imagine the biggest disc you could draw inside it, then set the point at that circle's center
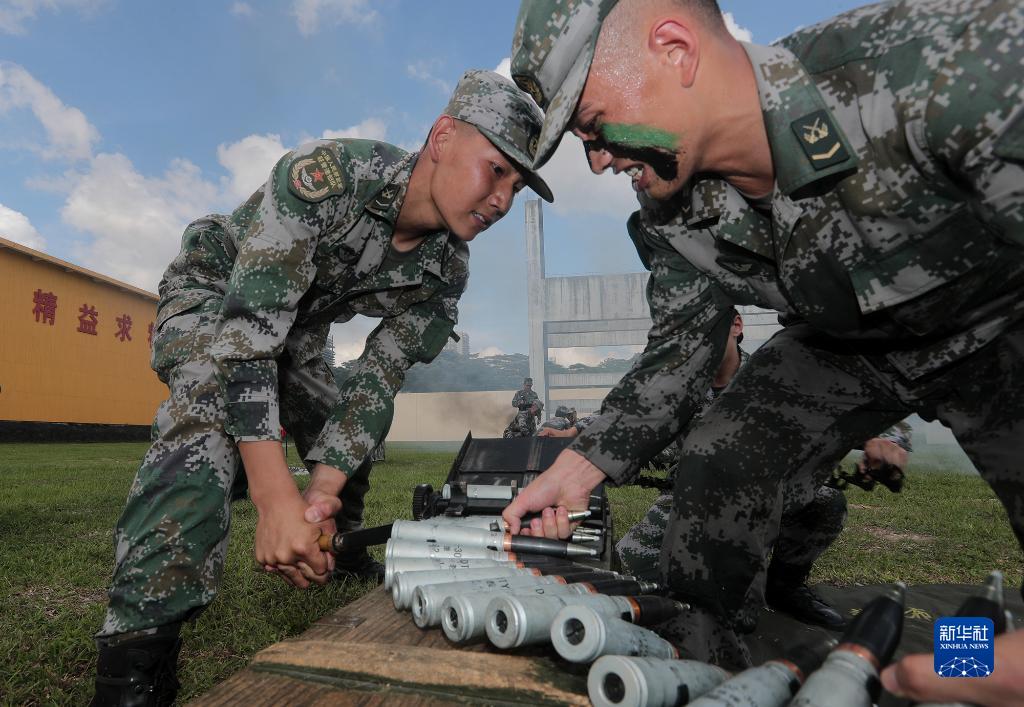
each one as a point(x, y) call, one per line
point(124, 328)
point(45, 306)
point(149, 339)
point(88, 318)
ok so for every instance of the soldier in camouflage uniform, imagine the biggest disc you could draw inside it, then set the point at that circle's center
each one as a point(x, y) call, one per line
point(805, 532)
point(525, 397)
point(862, 176)
point(243, 316)
point(564, 419)
point(526, 401)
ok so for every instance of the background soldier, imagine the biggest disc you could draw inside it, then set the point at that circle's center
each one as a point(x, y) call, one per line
point(243, 316)
point(524, 424)
point(525, 397)
point(864, 177)
point(564, 419)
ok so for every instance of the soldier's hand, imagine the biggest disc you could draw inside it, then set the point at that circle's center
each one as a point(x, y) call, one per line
point(914, 677)
point(566, 485)
point(878, 453)
point(321, 494)
point(286, 543)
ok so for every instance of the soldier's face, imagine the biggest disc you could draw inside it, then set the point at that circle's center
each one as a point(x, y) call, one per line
point(474, 184)
point(634, 117)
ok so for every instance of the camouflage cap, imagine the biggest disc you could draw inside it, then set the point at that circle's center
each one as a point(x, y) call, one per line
point(551, 53)
point(562, 411)
point(506, 116)
point(527, 381)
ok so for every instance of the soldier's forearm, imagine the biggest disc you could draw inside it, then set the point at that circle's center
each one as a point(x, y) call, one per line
point(328, 479)
point(267, 472)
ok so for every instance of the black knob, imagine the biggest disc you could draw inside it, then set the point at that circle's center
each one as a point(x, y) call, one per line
point(420, 498)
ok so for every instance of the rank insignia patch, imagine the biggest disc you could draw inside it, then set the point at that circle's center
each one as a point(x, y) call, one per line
point(316, 177)
point(820, 139)
point(384, 198)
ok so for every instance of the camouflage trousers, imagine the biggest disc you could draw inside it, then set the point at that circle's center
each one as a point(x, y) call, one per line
point(791, 413)
point(805, 532)
point(171, 539)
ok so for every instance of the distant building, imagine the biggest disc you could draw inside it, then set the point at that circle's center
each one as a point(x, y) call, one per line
point(460, 347)
point(74, 351)
point(329, 351)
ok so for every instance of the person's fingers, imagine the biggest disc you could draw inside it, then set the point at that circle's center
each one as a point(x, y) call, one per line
point(552, 528)
point(562, 523)
point(309, 574)
point(323, 508)
point(537, 527)
point(914, 678)
point(513, 514)
point(291, 575)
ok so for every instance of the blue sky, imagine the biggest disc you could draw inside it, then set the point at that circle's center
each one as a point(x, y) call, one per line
point(122, 121)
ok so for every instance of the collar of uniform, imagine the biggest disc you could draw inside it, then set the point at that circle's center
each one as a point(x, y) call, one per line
point(433, 253)
point(712, 200)
point(787, 95)
point(387, 201)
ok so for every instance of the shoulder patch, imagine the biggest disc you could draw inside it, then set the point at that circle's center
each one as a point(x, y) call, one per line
point(820, 139)
point(317, 176)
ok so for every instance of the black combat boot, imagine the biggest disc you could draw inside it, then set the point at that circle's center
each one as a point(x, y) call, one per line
point(786, 590)
point(138, 672)
point(357, 565)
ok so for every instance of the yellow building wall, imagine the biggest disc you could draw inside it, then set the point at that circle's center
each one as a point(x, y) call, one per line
point(54, 372)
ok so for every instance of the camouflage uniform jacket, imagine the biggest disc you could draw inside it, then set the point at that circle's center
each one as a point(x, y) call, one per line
point(895, 227)
point(524, 398)
point(312, 247)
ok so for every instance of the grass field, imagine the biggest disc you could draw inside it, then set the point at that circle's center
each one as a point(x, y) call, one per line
point(59, 503)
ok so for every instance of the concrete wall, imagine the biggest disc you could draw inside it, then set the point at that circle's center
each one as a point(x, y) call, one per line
point(447, 417)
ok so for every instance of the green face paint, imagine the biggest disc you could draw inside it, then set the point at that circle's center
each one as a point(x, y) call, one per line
point(638, 137)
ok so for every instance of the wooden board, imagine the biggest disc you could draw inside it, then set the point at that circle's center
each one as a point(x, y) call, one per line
point(367, 653)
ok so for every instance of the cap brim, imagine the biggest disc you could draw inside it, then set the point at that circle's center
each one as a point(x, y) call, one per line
point(522, 162)
point(563, 105)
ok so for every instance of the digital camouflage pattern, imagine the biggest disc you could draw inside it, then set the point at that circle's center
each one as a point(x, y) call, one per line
point(524, 398)
point(498, 109)
point(243, 316)
point(552, 49)
point(806, 530)
point(893, 249)
point(556, 423)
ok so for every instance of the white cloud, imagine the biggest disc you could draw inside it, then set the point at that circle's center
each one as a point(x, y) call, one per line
point(136, 221)
point(591, 355)
point(424, 71)
point(248, 163)
point(578, 189)
point(490, 351)
point(15, 13)
point(71, 136)
point(504, 68)
point(369, 129)
point(15, 226)
point(311, 15)
point(350, 337)
point(241, 9)
point(741, 33)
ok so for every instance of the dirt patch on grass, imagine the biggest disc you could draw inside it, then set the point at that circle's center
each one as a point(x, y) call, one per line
point(890, 535)
point(863, 507)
